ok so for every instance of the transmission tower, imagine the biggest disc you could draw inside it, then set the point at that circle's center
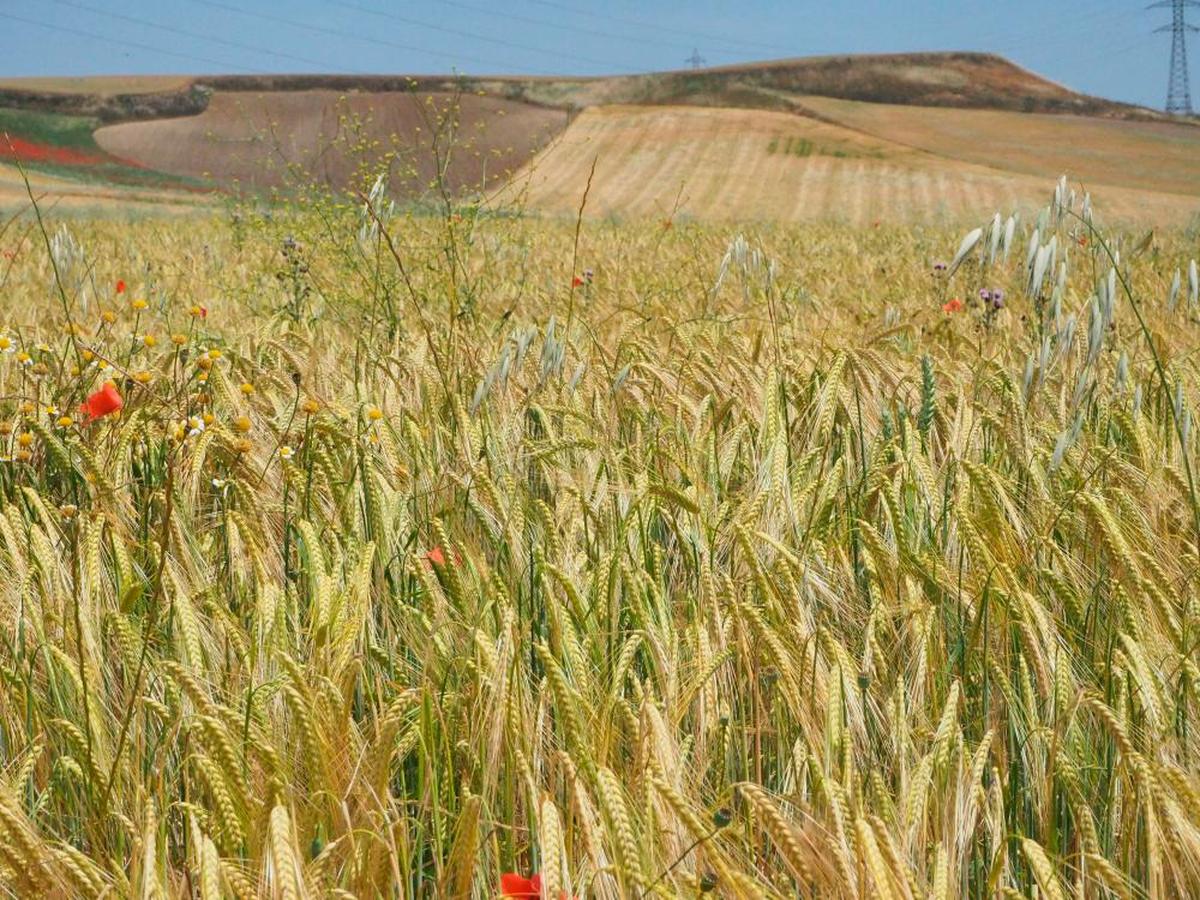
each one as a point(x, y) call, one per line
point(696, 60)
point(1179, 95)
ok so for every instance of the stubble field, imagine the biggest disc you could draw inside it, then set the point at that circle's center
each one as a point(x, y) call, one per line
point(859, 163)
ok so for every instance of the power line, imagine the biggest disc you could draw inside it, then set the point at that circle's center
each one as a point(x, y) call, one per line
point(1179, 94)
point(334, 32)
point(196, 36)
point(640, 23)
point(221, 66)
point(570, 29)
point(476, 37)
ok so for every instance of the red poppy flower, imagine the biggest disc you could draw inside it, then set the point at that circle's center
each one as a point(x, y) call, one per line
point(102, 402)
point(577, 281)
point(436, 556)
point(518, 887)
point(952, 305)
point(120, 286)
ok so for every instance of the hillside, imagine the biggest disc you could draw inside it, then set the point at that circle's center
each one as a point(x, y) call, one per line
point(265, 140)
point(734, 164)
point(955, 80)
point(854, 136)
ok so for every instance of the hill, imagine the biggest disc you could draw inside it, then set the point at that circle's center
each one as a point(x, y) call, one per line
point(910, 134)
point(734, 164)
point(265, 139)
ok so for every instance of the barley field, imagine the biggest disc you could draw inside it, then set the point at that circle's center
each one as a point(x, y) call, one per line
point(350, 551)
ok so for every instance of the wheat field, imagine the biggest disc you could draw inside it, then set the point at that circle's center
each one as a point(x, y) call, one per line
point(659, 559)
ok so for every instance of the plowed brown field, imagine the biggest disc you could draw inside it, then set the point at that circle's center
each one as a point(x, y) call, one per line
point(255, 139)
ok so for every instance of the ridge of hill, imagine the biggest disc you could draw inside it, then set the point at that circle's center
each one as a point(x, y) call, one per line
point(850, 134)
point(946, 79)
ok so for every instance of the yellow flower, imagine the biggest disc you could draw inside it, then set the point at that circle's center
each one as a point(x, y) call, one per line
point(204, 362)
point(65, 421)
point(286, 453)
point(27, 408)
point(24, 456)
point(108, 316)
point(197, 311)
point(149, 340)
point(24, 358)
point(25, 439)
point(68, 510)
point(138, 304)
point(242, 424)
point(6, 344)
point(247, 388)
point(242, 445)
point(142, 377)
point(374, 413)
point(179, 339)
point(311, 406)
point(88, 355)
point(208, 418)
point(214, 353)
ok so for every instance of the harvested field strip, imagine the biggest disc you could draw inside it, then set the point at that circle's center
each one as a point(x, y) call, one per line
point(720, 165)
point(1158, 156)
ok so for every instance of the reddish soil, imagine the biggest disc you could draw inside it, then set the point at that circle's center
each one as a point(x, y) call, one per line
point(263, 141)
point(32, 151)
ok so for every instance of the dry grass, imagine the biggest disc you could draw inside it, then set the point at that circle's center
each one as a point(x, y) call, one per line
point(64, 193)
point(740, 567)
point(100, 85)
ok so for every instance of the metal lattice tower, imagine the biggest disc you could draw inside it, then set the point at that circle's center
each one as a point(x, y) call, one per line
point(1179, 95)
point(696, 60)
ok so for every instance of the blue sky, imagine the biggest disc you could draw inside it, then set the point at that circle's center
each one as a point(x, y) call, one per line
point(1104, 47)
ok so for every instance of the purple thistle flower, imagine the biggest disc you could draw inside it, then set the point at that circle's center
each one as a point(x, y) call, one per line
point(939, 267)
point(985, 295)
point(998, 300)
